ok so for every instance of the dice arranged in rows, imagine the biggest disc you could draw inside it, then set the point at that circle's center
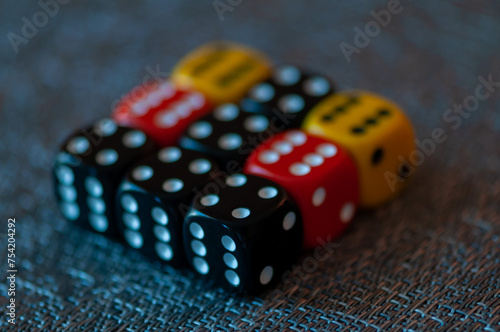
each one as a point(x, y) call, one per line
point(233, 168)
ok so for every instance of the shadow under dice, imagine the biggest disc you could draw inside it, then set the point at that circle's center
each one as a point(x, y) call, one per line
point(88, 170)
point(242, 234)
point(320, 176)
point(288, 94)
point(222, 71)
point(229, 135)
point(161, 110)
point(377, 134)
point(154, 197)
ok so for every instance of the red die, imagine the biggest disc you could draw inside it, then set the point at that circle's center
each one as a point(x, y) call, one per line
point(161, 110)
point(318, 174)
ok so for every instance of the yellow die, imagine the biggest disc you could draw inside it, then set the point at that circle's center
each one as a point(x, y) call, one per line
point(376, 132)
point(223, 71)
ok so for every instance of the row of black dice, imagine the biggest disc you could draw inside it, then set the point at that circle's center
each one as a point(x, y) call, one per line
point(175, 205)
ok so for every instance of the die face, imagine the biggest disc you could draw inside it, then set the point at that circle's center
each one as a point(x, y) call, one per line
point(83, 195)
point(212, 249)
point(283, 234)
point(289, 91)
point(318, 174)
point(107, 147)
point(243, 235)
point(375, 131)
point(153, 198)
point(149, 225)
point(222, 71)
point(242, 202)
point(173, 173)
point(228, 134)
point(88, 169)
point(161, 110)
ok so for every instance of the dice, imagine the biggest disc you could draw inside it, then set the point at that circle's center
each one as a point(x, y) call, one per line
point(320, 176)
point(279, 166)
point(155, 195)
point(161, 110)
point(88, 169)
point(242, 233)
point(376, 132)
point(222, 71)
point(289, 93)
point(229, 135)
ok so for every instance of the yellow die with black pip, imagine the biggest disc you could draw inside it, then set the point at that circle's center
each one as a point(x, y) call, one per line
point(223, 71)
point(378, 135)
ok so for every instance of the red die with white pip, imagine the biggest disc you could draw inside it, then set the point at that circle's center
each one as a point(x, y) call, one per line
point(320, 176)
point(161, 110)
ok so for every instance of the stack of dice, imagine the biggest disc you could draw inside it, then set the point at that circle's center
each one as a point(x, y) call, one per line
point(232, 167)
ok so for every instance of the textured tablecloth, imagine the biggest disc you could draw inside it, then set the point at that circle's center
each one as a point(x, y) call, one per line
point(427, 261)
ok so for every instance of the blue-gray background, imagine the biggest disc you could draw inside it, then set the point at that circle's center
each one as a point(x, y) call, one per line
point(428, 260)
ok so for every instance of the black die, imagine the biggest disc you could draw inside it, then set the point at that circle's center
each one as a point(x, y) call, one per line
point(89, 168)
point(155, 195)
point(289, 94)
point(243, 233)
point(229, 135)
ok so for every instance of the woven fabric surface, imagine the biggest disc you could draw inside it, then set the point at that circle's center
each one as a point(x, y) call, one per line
point(429, 260)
